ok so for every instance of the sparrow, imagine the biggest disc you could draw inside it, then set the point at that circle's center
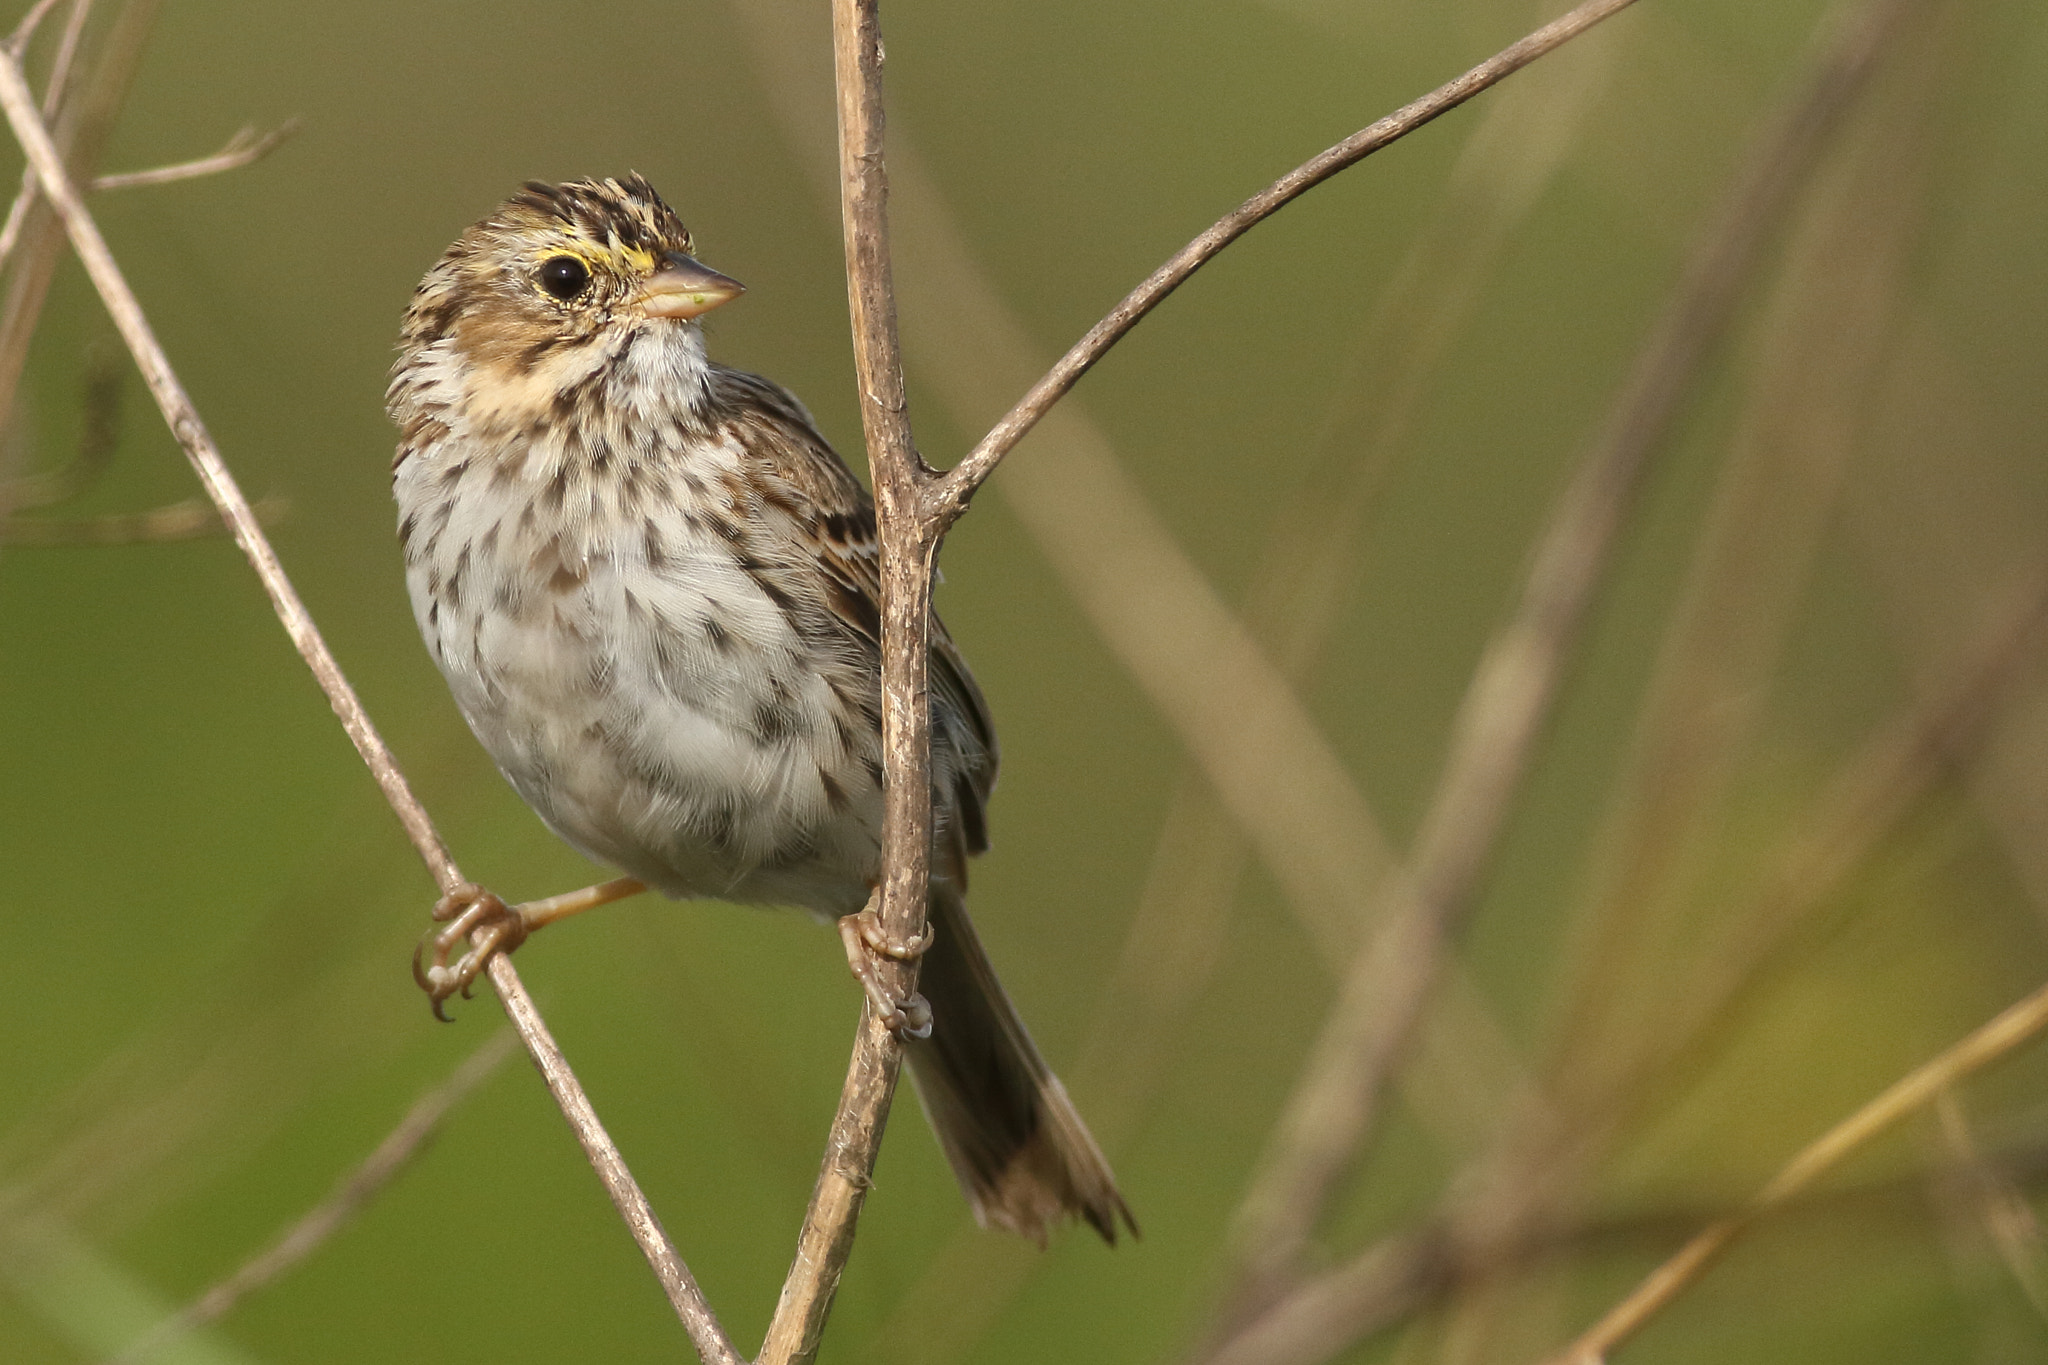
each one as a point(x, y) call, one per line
point(653, 589)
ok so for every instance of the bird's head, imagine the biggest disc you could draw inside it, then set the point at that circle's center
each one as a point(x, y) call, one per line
point(558, 282)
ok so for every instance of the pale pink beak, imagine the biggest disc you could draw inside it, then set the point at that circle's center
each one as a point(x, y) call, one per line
point(684, 288)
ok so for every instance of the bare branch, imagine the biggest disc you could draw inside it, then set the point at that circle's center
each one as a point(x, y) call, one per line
point(188, 519)
point(326, 1218)
point(1426, 1265)
point(826, 1241)
point(67, 54)
point(83, 118)
point(1336, 1102)
point(53, 98)
point(909, 546)
point(1917, 1089)
point(191, 433)
point(25, 31)
point(1993, 1200)
point(243, 149)
point(950, 495)
point(676, 1281)
point(1873, 792)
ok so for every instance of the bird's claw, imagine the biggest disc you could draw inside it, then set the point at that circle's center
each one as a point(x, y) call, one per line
point(862, 933)
point(467, 915)
point(868, 922)
point(909, 1019)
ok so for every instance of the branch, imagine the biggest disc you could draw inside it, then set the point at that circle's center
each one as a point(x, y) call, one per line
point(914, 509)
point(187, 519)
point(83, 116)
point(53, 99)
point(243, 149)
point(1424, 1267)
point(1914, 1091)
point(949, 496)
point(192, 435)
point(1336, 1102)
point(909, 547)
point(1991, 1198)
point(18, 41)
point(326, 1218)
point(1875, 790)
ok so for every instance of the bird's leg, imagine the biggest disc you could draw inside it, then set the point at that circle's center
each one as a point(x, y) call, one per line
point(865, 941)
point(489, 926)
point(538, 914)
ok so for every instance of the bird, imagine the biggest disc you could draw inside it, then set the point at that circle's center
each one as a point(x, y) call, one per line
point(653, 589)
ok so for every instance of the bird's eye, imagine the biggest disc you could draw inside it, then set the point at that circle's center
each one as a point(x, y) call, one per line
point(564, 277)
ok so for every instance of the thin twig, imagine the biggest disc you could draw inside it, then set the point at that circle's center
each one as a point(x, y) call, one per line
point(2015, 1026)
point(244, 148)
point(909, 546)
point(949, 496)
point(1337, 1100)
point(1874, 792)
point(326, 1218)
point(913, 504)
point(706, 1333)
point(191, 433)
point(1426, 1265)
point(187, 519)
point(18, 41)
point(62, 64)
point(83, 119)
point(1993, 1200)
point(53, 99)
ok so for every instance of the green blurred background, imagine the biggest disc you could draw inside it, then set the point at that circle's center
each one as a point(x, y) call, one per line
point(205, 1011)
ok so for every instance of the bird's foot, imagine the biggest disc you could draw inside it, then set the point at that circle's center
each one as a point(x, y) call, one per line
point(868, 923)
point(472, 916)
point(866, 942)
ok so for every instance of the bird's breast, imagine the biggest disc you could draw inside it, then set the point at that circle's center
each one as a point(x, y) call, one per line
point(645, 681)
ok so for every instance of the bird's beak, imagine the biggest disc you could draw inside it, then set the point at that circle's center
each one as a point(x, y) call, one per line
point(682, 288)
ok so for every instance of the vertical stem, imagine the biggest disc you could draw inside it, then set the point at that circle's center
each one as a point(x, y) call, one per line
point(909, 547)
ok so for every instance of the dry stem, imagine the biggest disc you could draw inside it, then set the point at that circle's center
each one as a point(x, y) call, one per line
point(909, 547)
point(1336, 1102)
point(243, 149)
point(186, 519)
point(1918, 1088)
point(191, 434)
point(53, 99)
point(326, 1218)
point(915, 506)
point(949, 496)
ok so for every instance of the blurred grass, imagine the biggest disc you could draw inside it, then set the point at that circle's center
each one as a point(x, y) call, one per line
point(206, 1013)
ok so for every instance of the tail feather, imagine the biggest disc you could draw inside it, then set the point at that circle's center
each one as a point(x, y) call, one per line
point(1024, 1158)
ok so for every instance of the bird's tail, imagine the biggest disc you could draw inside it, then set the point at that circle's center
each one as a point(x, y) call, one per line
point(1023, 1157)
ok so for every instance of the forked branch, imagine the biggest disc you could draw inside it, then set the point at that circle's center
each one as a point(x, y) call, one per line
point(915, 507)
point(312, 1230)
point(950, 494)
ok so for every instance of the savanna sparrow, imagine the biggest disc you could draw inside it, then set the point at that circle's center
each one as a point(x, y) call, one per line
point(652, 587)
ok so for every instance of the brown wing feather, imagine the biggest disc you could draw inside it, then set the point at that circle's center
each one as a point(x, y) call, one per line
point(773, 424)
